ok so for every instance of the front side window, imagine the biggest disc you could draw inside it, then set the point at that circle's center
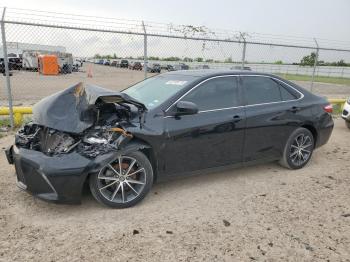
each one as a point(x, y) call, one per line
point(216, 93)
point(260, 90)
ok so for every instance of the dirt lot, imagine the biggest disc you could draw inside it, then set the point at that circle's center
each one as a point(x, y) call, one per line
point(260, 213)
point(29, 87)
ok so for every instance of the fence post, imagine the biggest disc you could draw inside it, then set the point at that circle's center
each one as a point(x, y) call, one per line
point(244, 49)
point(145, 59)
point(315, 65)
point(7, 71)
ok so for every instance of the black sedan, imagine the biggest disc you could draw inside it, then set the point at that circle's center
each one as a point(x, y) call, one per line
point(124, 63)
point(177, 123)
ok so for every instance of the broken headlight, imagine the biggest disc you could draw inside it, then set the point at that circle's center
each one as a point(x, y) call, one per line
point(95, 140)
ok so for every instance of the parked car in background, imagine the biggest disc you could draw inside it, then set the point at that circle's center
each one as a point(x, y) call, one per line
point(76, 64)
point(240, 68)
point(135, 66)
point(154, 68)
point(202, 67)
point(106, 62)
point(78, 61)
point(2, 66)
point(75, 68)
point(115, 63)
point(172, 124)
point(124, 63)
point(15, 63)
point(170, 68)
point(181, 66)
point(66, 69)
point(346, 113)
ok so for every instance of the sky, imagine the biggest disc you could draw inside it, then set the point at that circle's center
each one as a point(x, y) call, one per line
point(328, 19)
point(305, 18)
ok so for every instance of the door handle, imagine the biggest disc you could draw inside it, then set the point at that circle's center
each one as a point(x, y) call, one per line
point(237, 118)
point(295, 109)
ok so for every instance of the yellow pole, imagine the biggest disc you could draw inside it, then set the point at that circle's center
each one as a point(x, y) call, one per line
point(18, 113)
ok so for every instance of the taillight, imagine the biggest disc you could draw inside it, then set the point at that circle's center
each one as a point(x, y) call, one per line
point(328, 108)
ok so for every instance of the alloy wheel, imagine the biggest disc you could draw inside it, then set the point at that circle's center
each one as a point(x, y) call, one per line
point(301, 149)
point(122, 180)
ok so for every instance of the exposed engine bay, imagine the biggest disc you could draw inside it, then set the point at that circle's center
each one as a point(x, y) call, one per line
point(96, 141)
point(96, 119)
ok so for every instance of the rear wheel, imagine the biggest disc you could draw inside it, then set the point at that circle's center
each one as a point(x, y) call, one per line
point(123, 182)
point(298, 149)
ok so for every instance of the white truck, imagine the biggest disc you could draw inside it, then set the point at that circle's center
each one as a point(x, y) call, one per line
point(30, 60)
point(346, 113)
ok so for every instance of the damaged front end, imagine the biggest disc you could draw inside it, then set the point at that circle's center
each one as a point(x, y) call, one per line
point(73, 133)
point(91, 143)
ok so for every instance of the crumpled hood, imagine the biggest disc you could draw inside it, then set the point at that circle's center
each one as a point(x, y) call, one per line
point(72, 110)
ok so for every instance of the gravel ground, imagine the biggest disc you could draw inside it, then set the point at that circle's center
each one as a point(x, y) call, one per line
point(29, 87)
point(259, 213)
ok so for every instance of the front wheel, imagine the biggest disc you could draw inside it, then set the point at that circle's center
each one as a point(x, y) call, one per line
point(123, 182)
point(298, 149)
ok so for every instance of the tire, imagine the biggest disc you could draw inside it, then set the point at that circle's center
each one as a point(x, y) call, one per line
point(347, 123)
point(110, 188)
point(294, 156)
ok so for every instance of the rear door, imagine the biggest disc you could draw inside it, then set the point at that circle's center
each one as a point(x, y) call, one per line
point(271, 116)
point(212, 137)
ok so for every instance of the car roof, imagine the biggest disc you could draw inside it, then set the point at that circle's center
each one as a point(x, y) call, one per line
point(202, 74)
point(214, 72)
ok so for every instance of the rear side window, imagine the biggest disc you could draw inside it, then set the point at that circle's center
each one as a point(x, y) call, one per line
point(286, 95)
point(259, 90)
point(216, 93)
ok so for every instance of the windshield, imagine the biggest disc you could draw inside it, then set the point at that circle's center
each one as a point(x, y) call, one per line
point(155, 90)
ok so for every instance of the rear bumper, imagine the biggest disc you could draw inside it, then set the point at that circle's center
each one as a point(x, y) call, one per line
point(325, 130)
point(53, 178)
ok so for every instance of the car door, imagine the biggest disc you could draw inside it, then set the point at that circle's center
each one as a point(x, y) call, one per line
point(271, 116)
point(212, 137)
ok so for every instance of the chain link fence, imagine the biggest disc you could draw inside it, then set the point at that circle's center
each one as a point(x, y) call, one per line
point(116, 53)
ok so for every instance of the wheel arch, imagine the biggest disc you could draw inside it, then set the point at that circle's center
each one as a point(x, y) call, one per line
point(137, 144)
point(313, 131)
point(133, 145)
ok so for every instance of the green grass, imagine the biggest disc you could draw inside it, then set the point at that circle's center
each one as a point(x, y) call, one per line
point(321, 79)
point(337, 109)
point(5, 122)
point(5, 125)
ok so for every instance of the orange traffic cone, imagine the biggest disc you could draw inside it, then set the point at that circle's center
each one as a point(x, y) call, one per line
point(89, 73)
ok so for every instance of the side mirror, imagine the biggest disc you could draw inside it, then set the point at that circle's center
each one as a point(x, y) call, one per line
point(186, 108)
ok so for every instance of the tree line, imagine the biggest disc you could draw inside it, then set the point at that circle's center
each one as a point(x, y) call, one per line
point(309, 60)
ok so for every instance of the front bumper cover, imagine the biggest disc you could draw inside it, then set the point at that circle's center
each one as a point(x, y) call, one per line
point(57, 178)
